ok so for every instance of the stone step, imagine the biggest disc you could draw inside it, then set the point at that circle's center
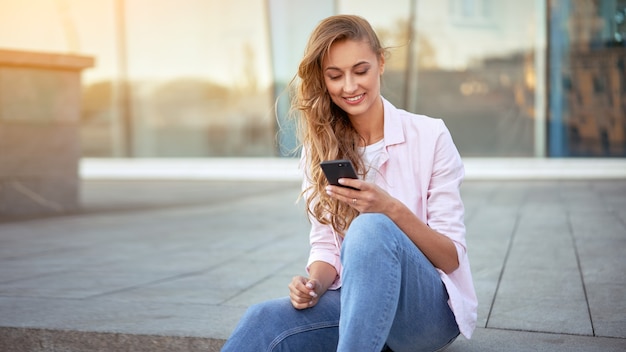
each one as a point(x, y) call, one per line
point(47, 340)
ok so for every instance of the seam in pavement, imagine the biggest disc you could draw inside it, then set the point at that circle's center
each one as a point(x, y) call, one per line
point(580, 271)
point(506, 259)
point(158, 281)
point(556, 333)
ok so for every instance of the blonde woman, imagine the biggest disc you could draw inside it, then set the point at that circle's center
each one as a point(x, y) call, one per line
point(388, 267)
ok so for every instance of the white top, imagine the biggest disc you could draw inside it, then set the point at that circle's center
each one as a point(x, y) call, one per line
point(371, 154)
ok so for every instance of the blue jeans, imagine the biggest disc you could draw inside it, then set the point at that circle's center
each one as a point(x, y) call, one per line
point(391, 296)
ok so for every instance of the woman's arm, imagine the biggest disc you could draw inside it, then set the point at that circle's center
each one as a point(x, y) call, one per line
point(305, 292)
point(324, 274)
point(439, 249)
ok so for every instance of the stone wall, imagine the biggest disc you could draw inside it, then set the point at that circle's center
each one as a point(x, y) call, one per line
point(40, 96)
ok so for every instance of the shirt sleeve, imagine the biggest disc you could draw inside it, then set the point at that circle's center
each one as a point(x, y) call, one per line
point(445, 206)
point(322, 239)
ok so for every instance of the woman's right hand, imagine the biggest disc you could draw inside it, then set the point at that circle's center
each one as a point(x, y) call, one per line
point(303, 292)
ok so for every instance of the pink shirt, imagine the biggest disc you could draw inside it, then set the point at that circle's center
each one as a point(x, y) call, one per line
point(421, 167)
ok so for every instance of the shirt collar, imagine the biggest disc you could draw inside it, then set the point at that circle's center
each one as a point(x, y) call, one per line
point(394, 132)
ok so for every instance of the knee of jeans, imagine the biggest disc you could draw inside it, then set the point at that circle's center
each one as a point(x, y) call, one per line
point(259, 312)
point(368, 229)
point(369, 223)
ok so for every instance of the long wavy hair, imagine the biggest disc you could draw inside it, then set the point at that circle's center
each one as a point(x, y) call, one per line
point(323, 129)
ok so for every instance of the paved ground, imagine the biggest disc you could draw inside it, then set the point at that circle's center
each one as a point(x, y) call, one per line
point(171, 266)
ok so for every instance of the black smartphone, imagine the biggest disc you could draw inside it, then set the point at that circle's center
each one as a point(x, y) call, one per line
point(336, 169)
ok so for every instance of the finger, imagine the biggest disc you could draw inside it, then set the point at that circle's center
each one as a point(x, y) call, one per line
point(301, 306)
point(312, 286)
point(351, 182)
point(301, 302)
point(309, 296)
point(298, 282)
point(298, 295)
point(302, 287)
point(346, 199)
point(341, 193)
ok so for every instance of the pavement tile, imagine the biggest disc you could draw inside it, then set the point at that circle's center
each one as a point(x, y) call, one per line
point(497, 340)
point(170, 258)
point(76, 284)
point(540, 283)
point(269, 288)
point(608, 308)
point(553, 315)
point(602, 261)
point(489, 232)
point(128, 317)
point(597, 226)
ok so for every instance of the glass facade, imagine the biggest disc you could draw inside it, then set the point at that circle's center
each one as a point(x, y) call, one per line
point(587, 78)
point(208, 78)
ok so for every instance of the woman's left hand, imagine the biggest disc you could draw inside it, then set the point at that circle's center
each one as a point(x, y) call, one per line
point(366, 198)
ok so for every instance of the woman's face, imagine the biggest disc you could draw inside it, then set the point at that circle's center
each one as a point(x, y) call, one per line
point(352, 75)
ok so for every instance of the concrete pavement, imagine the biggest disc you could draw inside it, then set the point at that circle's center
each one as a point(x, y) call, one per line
point(172, 265)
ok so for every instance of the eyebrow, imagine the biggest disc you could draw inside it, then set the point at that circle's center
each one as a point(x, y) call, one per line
point(360, 63)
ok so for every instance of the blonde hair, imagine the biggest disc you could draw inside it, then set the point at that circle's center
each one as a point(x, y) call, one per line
point(323, 129)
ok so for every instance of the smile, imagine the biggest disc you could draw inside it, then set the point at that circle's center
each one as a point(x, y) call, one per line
point(355, 98)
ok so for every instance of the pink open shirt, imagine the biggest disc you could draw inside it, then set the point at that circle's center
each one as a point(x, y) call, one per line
point(421, 167)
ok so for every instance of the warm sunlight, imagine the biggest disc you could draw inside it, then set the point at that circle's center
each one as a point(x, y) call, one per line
point(160, 44)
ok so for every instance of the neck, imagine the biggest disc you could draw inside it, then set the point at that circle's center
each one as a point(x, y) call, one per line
point(370, 127)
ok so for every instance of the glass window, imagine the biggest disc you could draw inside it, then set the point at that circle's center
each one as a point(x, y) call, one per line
point(190, 78)
point(200, 78)
point(587, 80)
point(470, 62)
point(184, 79)
point(477, 71)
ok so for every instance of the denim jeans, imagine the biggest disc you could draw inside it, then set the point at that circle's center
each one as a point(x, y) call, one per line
point(391, 296)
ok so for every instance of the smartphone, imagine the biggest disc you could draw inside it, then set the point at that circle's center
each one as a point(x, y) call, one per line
point(336, 169)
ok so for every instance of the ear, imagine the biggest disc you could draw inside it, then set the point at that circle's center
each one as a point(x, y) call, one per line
point(381, 64)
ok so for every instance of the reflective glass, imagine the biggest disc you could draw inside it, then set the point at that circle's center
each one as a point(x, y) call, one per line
point(477, 71)
point(470, 62)
point(172, 78)
point(200, 75)
point(587, 78)
point(200, 78)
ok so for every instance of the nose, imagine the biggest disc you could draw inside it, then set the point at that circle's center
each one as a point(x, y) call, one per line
point(350, 85)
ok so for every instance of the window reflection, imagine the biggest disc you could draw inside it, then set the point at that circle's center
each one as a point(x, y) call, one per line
point(588, 104)
point(482, 82)
point(190, 82)
point(195, 83)
point(471, 66)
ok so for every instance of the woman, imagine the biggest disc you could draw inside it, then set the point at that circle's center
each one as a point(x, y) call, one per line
point(388, 267)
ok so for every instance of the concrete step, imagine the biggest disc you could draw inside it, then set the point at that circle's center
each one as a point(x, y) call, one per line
point(46, 340)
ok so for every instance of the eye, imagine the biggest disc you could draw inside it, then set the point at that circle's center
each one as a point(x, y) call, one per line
point(361, 73)
point(334, 78)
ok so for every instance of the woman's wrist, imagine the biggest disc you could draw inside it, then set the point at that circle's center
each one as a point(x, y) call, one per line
point(324, 273)
point(395, 209)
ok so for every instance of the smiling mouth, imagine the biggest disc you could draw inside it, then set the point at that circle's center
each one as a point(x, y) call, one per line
point(356, 98)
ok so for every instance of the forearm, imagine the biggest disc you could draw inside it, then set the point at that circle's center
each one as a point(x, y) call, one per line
point(324, 273)
point(438, 248)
